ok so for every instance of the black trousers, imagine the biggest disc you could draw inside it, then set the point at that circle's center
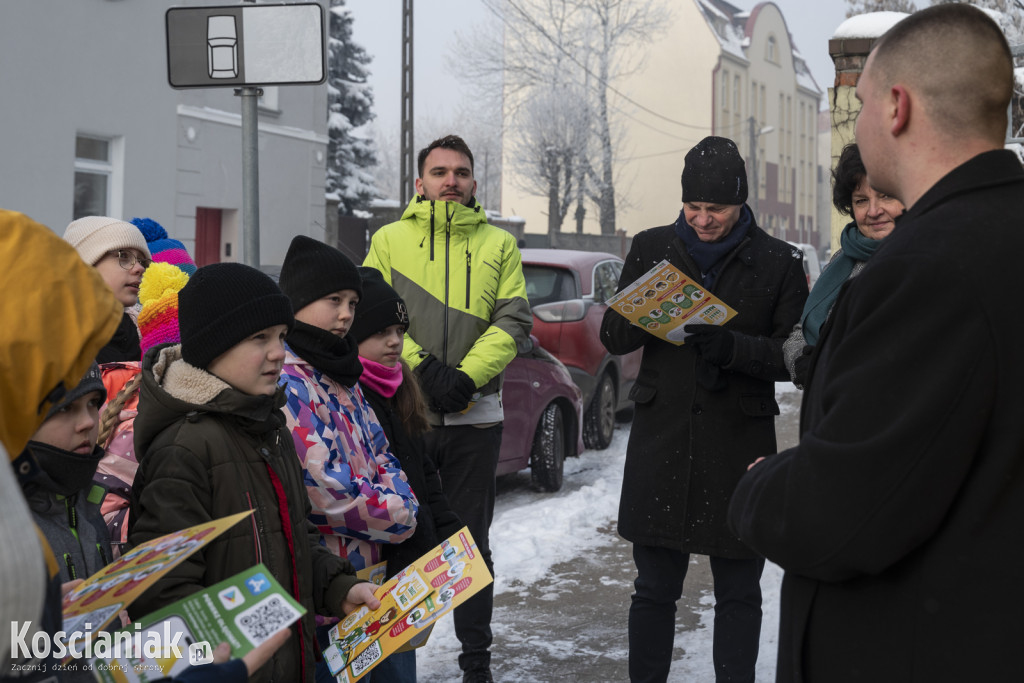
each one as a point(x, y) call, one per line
point(652, 614)
point(467, 458)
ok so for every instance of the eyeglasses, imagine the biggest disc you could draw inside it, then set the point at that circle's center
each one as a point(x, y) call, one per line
point(128, 259)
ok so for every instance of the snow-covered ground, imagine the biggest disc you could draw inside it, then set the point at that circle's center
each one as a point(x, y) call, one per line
point(533, 532)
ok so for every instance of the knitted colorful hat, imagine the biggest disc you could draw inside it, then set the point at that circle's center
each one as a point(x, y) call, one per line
point(164, 248)
point(158, 294)
point(94, 236)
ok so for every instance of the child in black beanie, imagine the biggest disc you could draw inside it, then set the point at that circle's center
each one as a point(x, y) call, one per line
point(361, 498)
point(212, 442)
point(393, 392)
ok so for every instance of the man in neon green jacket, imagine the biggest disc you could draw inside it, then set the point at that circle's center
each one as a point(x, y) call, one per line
point(462, 280)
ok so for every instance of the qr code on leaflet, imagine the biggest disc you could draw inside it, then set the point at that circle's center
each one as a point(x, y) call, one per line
point(266, 618)
point(366, 659)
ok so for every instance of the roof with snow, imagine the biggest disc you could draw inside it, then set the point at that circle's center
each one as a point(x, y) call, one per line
point(871, 25)
point(733, 27)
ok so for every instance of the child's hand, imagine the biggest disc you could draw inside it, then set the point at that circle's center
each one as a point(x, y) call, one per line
point(360, 594)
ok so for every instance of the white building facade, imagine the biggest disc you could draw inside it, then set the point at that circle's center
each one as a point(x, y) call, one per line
point(89, 125)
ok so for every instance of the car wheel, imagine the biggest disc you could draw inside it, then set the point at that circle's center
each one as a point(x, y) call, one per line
point(548, 455)
point(599, 421)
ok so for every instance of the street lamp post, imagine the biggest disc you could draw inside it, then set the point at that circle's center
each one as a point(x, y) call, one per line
point(755, 133)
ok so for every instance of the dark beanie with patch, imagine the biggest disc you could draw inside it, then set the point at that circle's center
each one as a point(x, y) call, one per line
point(714, 172)
point(93, 381)
point(312, 270)
point(224, 303)
point(379, 307)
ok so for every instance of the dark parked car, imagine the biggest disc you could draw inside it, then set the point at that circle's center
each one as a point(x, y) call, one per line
point(567, 290)
point(542, 417)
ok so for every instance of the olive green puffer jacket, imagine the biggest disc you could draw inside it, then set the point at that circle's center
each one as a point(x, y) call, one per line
point(207, 451)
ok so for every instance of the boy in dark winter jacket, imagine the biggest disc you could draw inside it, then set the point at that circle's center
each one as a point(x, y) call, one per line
point(64, 502)
point(212, 441)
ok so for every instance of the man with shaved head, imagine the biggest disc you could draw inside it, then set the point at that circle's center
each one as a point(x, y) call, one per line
point(899, 518)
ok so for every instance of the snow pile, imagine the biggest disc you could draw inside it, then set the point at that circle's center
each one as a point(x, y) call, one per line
point(871, 25)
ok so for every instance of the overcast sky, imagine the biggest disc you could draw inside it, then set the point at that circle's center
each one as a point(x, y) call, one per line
point(437, 88)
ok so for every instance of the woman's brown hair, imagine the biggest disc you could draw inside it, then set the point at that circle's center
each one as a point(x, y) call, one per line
point(409, 403)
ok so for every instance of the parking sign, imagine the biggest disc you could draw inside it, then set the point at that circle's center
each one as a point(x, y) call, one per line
point(248, 45)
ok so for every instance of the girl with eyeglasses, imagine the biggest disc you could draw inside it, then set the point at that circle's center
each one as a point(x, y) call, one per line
point(118, 250)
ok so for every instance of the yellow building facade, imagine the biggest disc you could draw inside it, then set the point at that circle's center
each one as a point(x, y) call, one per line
point(712, 70)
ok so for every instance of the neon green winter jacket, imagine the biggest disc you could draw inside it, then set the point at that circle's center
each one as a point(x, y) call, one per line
point(462, 281)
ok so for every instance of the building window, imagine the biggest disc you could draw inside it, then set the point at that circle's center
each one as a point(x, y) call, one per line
point(772, 53)
point(725, 90)
point(94, 170)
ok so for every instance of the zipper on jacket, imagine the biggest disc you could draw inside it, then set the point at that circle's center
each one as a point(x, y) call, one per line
point(71, 566)
point(469, 266)
point(255, 531)
point(431, 231)
point(103, 555)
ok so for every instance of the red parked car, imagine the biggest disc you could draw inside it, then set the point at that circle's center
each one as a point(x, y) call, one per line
point(567, 290)
point(542, 417)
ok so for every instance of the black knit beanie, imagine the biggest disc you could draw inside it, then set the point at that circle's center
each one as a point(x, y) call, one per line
point(379, 307)
point(714, 172)
point(224, 303)
point(312, 270)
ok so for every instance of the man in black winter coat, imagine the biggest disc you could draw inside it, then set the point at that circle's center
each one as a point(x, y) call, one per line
point(701, 409)
point(899, 518)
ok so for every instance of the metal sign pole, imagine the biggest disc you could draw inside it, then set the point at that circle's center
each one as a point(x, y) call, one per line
point(250, 176)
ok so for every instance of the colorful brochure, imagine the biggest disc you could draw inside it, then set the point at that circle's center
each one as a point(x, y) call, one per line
point(663, 300)
point(244, 611)
point(97, 601)
point(410, 603)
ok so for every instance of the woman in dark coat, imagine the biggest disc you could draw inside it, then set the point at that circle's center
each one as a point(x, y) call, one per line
point(703, 409)
point(874, 216)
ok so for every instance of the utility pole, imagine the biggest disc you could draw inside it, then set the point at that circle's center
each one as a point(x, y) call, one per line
point(250, 173)
point(406, 184)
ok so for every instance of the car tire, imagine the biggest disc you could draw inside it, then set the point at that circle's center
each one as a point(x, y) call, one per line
point(548, 456)
point(599, 420)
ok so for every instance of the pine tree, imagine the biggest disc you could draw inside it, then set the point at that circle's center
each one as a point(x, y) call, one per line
point(349, 105)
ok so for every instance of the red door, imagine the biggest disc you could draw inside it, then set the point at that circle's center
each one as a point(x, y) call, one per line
point(207, 236)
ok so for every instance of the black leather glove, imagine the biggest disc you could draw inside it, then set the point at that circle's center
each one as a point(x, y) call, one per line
point(448, 389)
point(801, 366)
point(713, 343)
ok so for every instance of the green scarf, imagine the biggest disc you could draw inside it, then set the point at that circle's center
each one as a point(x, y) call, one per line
point(854, 247)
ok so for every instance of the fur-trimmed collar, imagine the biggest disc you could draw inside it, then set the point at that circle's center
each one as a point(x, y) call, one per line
point(183, 381)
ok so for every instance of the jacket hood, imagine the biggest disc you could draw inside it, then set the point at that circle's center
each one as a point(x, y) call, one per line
point(172, 390)
point(52, 327)
point(463, 218)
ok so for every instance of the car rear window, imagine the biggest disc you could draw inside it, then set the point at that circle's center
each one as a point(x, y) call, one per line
point(545, 285)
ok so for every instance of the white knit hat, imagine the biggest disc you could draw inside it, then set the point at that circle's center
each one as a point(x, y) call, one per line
point(94, 236)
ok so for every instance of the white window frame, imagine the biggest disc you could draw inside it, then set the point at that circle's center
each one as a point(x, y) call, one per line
point(113, 168)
